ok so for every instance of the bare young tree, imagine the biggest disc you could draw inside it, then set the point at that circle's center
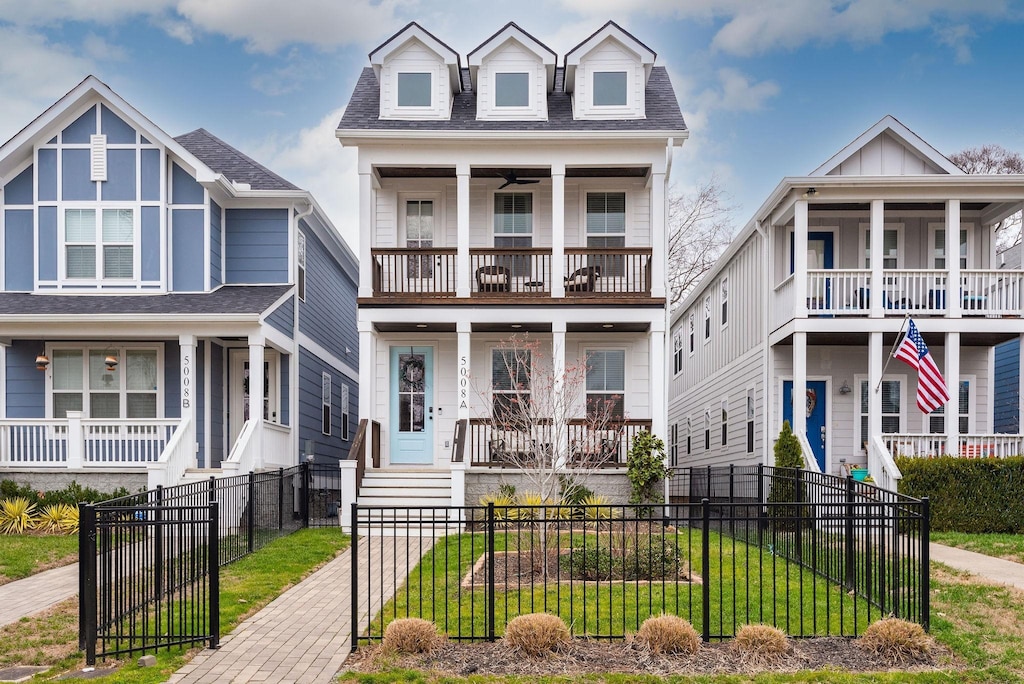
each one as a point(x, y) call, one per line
point(994, 159)
point(700, 228)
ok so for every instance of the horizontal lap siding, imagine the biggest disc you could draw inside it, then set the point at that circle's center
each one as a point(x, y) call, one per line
point(328, 315)
point(311, 368)
point(25, 386)
point(256, 246)
point(187, 249)
point(216, 277)
point(1007, 387)
point(18, 250)
point(283, 317)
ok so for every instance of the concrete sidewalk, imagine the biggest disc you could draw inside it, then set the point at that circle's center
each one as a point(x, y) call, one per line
point(36, 593)
point(988, 568)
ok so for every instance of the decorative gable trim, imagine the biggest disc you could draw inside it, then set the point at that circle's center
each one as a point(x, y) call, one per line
point(607, 74)
point(413, 31)
point(418, 75)
point(498, 41)
point(934, 162)
point(573, 57)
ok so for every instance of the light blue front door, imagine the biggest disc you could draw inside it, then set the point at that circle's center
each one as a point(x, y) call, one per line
point(815, 407)
point(412, 405)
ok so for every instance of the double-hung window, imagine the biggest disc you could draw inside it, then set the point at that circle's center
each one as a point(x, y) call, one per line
point(725, 422)
point(606, 227)
point(937, 418)
point(724, 291)
point(327, 403)
point(300, 258)
point(707, 318)
point(750, 421)
point(85, 380)
point(891, 407)
point(692, 323)
point(707, 429)
point(99, 244)
point(510, 386)
point(419, 234)
point(674, 444)
point(513, 229)
point(677, 352)
point(606, 384)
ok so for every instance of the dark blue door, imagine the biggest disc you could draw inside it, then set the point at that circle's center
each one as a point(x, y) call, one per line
point(819, 256)
point(815, 408)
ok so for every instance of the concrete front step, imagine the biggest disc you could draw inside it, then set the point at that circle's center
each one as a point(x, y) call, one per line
point(406, 487)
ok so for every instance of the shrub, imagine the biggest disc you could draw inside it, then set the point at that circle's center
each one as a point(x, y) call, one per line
point(968, 494)
point(896, 640)
point(16, 515)
point(58, 519)
point(645, 468)
point(589, 564)
point(761, 644)
point(537, 633)
point(668, 634)
point(411, 635)
point(786, 485)
point(71, 495)
point(596, 507)
point(652, 557)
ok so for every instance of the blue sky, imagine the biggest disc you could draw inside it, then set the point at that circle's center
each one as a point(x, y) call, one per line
point(769, 88)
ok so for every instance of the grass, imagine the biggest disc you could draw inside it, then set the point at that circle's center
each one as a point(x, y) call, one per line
point(246, 586)
point(1007, 546)
point(22, 555)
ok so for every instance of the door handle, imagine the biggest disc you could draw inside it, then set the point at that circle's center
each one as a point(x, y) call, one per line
point(822, 436)
point(430, 413)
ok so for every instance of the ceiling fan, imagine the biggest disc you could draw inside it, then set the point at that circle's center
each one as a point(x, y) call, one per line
point(511, 179)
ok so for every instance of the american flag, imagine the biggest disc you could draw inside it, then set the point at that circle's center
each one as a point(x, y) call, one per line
point(931, 387)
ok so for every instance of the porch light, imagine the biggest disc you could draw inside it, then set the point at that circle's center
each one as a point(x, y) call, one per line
point(42, 361)
point(811, 192)
point(845, 388)
point(111, 362)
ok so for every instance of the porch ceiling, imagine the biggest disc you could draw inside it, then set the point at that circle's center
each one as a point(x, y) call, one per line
point(519, 172)
point(892, 206)
point(413, 326)
point(860, 339)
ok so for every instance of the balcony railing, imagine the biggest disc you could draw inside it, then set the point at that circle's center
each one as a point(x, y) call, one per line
point(490, 446)
point(610, 271)
point(968, 446)
point(502, 272)
point(992, 292)
point(419, 271)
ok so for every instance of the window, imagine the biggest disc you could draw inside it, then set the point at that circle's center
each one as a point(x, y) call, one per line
point(344, 411)
point(707, 318)
point(938, 251)
point(724, 289)
point(300, 255)
point(512, 90)
point(689, 436)
point(937, 418)
point(725, 422)
point(107, 249)
point(513, 228)
point(750, 421)
point(674, 444)
point(891, 410)
point(419, 234)
point(84, 380)
point(414, 90)
point(707, 429)
point(606, 227)
point(510, 384)
point(677, 348)
point(606, 383)
point(325, 399)
point(892, 246)
point(610, 88)
point(691, 332)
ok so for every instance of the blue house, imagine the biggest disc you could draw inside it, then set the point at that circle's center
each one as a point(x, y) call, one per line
point(149, 283)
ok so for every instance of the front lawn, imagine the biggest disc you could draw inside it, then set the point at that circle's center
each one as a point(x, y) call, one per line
point(1007, 546)
point(22, 555)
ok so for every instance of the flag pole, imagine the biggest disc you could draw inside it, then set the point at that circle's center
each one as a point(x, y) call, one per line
point(895, 345)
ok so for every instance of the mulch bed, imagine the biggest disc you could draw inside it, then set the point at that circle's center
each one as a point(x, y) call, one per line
point(586, 656)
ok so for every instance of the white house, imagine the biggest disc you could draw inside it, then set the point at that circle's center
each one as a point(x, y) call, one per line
point(809, 298)
point(505, 194)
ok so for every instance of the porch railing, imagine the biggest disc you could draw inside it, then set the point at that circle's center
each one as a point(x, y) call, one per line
point(178, 455)
point(967, 446)
point(810, 462)
point(616, 271)
point(422, 271)
point(277, 446)
point(524, 271)
point(489, 446)
point(996, 293)
point(243, 456)
point(784, 301)
point(33, 443)
point(125, 442)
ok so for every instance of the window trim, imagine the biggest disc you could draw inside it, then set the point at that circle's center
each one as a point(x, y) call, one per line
point(431, 74)
point(751, 408)
point(904, 401)
point(693, 333)
point(689, 436)
point(972, 397)
point(611, 69)
point(512, 108)
point(98, 280)
point(121, 349)
point(300, 265)
point(707, 319)
point(725, 423)
point(723, 295)
point(864, 248)
point(625, 375)
point(707, 429)
point(677, 352)
point(528, 391)
point(935, 227)
point(674, 444)
point(346, 420)
point(327, 403)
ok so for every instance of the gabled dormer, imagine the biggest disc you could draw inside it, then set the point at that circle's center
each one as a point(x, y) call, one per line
point(607, 75)
point(417, 73)
point(512, 73)
point(888, 149)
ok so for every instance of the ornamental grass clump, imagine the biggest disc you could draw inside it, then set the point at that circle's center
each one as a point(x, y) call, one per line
point(537, 633)
point(411, 635)
point(668, 634)
point(16, 515)
point(761, 644)
point(896, 640)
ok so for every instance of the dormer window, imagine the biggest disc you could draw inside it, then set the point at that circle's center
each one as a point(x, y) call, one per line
point(414, 90)
point(512, 90)
point(609, 88)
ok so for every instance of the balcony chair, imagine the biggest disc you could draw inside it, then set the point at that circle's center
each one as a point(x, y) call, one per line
point(508, 446)
point(492, 278)
point(583, 279)
point(598, 445)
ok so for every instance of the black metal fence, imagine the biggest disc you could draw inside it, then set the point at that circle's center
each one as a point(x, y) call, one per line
point(149, 562)
point(814, 555)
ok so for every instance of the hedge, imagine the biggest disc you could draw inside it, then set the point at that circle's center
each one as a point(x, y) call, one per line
point(968, 495)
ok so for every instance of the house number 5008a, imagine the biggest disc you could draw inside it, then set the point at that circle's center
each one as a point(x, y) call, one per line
point(186, 381)
point(463, 382)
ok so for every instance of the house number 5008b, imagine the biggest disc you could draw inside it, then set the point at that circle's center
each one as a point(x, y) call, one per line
point(186, 381)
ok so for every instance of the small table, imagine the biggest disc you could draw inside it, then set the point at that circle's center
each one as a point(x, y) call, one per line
point(533, 285)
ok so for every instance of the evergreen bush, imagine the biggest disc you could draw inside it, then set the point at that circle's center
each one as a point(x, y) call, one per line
point(786, 483)
point(646, 470)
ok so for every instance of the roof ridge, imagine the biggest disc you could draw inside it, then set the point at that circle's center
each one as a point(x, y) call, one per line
point(233, 151)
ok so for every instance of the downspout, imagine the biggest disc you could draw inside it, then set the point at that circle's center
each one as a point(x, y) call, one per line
point(293, 360)
point(766, 347)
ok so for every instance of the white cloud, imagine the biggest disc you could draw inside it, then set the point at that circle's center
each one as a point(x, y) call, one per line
point(99, 49)
point(957, 37)
point(288, 78)
point(51, 12)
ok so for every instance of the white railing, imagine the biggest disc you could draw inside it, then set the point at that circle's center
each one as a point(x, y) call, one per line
point(33, 443)
point(782, 307)
point(838, 292)
point(922, 291)
point(968, 446)
point(881, 466)
point(242, 457)
point(125, 442)
point(995, 293)
point(178, 455)
point(810, 462)
point(277, 446)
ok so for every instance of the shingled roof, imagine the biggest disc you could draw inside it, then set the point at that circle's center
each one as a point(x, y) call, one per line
point(229, 299)
point(233, 164)
point(663, 114)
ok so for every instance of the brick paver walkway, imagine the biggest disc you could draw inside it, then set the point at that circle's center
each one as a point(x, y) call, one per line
point(36, 593)
point(304, 635)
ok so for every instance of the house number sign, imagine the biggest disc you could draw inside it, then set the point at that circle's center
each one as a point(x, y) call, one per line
point(186, 381)
point(463, 382)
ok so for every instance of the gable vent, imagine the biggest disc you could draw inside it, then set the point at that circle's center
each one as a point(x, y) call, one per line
point(98, 147)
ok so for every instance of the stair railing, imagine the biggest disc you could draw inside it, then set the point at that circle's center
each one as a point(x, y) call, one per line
point(810, 462)
point(881, 465)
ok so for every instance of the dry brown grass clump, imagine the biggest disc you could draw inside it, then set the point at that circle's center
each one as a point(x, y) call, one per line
point(668, 634)
point(896, 640)
point(411, 635)
point(761, 644)
point(537, 633)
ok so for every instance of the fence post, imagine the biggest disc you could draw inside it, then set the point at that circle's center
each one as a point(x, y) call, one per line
point(705, 568)
point(354, 546)
point(304, 493)
point(490, 571)
point(214, 571)
point(925, 587)
point(87, 581)
point(732, 501)
point(250, 518)
point(799, 513)
point(848, 534)
point(762, 520)
point(280, 498)
point(158, 544)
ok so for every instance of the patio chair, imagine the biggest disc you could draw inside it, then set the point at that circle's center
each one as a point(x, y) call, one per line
point(509, 445)
point(492, 278)
point(583, 279)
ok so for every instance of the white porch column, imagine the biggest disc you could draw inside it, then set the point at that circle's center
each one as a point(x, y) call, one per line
point(875, 359)
point(187, 376)
point(659, 235)
point(557, 230)
point(463, 330)
point(365, 233)
point(257, 345)
point(954, 295)
point(367, 360)
point(953, 387)
point(800, 379)
point(800, 261)
point(658, 372)
point(463, 277)
point(877, 283)
point(75, 440)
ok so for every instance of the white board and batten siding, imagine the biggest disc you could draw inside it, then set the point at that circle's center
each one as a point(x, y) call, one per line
point(884, 156)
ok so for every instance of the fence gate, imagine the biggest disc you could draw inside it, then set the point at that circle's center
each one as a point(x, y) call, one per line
point(148, 576)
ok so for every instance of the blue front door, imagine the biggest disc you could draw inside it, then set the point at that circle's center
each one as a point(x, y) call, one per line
point(819, 256)
point(412, 405)
point(815, 407)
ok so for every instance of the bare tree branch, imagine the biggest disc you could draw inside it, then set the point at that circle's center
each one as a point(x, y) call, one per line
point(995, 159)
point(700, 228)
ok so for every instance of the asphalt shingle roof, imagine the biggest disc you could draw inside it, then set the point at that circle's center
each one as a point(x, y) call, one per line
point(229, 299)
point(363, 111)
point(232, 163)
